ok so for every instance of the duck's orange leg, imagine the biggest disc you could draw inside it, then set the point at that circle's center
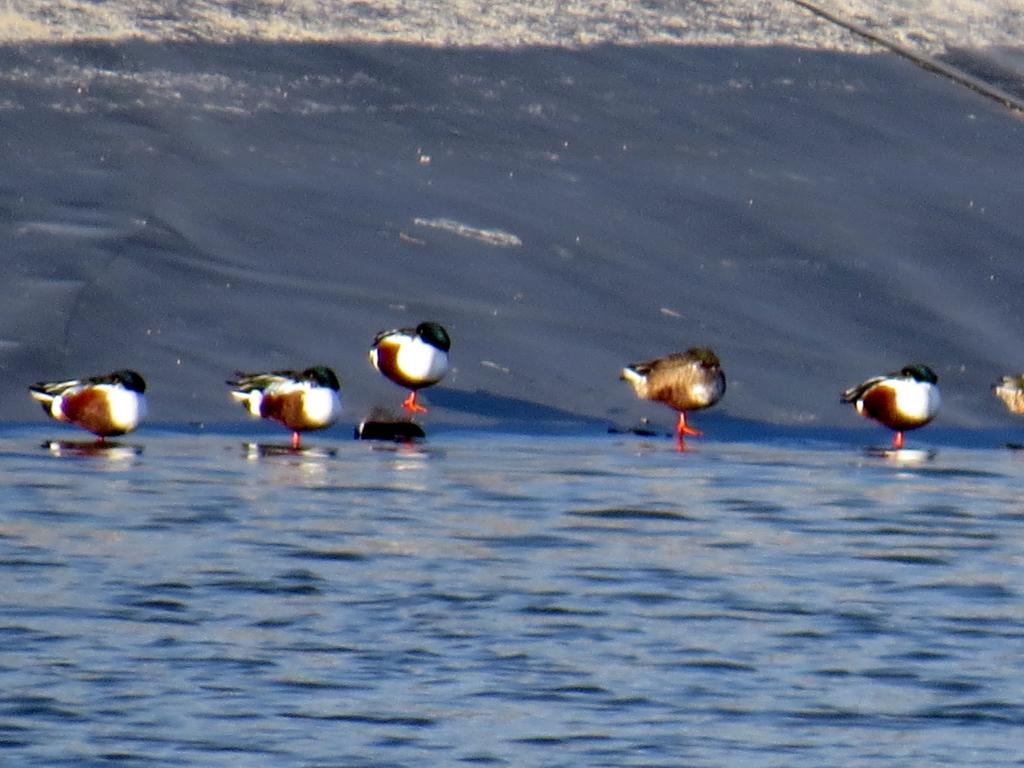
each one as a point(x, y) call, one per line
point(897, 441)
point(411, 405)
point(685, 429)
point(296, 441)
point(682, 430)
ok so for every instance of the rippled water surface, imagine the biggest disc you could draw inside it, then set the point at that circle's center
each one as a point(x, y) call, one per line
point(508, 600)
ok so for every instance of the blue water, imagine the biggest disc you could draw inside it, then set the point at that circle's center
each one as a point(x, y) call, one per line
point(186, 599)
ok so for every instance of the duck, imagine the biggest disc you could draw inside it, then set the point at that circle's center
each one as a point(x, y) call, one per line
point(902, 400)
point(107, 405)
point(1010, 389)
point(684, 381)
point(413, 358)
point(300, 400)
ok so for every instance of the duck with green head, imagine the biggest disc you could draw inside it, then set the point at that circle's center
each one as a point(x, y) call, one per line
point(413, 358)
point(300, 400)
point(107, 405)
point(902, 400)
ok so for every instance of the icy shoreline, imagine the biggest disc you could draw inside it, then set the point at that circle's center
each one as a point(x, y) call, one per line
point(816, 216)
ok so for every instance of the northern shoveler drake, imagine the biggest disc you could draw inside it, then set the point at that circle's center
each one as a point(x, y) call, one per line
point(901, 400)
point(1010, 389)
point(413, 358)
point(108, 405)
point(684, 381)
point(300, 400)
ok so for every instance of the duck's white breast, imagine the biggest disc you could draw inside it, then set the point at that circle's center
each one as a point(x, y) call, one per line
point(916, 400)
point(127, 408)
point(321, 405)
point(421, 361)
